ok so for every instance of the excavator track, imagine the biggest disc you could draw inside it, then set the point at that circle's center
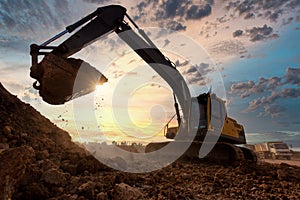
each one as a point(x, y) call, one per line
point(222, 153)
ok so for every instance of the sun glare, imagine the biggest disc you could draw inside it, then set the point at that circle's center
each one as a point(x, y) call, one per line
point(101, 87)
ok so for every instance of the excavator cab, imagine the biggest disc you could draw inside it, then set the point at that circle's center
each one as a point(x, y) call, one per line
point(199, 122)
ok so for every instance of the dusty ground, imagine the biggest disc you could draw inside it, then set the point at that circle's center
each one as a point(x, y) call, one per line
point(290, 162)
point(39, 161)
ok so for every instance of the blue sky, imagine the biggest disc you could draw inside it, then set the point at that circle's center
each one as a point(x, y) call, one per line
point(277, 56)
point(255, 45)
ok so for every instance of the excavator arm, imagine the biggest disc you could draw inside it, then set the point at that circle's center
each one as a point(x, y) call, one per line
point(103, 21)
point(55, 75)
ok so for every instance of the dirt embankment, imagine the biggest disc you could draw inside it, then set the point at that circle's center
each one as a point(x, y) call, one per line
point(39, 161)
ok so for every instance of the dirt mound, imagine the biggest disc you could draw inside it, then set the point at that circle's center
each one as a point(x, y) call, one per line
point(39, 161)
point(38, 158)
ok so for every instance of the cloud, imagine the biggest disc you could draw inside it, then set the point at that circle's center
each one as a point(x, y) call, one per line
point(182, 8)
point(176, 26)
point(29, 94)
point(267, 9)
point(173, 7)
point(272, 4)
point(228, 47)
point(274, 82)
point(198, 12)
point(259, 33)
point(237, 33)
point(264, 102)
point(273, 110)
point(245, 6)
point(173, 10)
point(26, 22)
point(249, 16)
point(12, 67)
point(245, 89)
point(181, 64)
point(293, 3)
point(141, 6)
point(14, 43)
point(197, 74)
point(12, 86)
point(273, 16)
point(98, 1)
point(292, 76)
point(277, 87)
point(167, 42)
point(34, 18)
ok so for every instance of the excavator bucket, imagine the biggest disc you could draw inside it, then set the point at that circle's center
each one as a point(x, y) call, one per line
point(57, 77)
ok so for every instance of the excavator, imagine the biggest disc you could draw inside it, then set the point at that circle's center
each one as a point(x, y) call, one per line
point(202, 122)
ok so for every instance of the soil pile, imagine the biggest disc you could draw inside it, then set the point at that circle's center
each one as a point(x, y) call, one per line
point(39, 161)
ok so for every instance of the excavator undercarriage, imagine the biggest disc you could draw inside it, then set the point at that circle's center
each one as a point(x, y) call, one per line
point(222, 152)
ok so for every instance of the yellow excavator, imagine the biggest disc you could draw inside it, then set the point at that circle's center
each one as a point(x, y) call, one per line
point(203, 125)
point(224, 140)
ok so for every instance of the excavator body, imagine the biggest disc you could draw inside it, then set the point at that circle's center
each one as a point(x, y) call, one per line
point(224, 148)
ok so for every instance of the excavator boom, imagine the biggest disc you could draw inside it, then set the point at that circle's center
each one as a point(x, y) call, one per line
point(55, 81)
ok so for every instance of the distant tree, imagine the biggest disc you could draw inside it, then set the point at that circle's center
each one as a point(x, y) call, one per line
point(133, 144)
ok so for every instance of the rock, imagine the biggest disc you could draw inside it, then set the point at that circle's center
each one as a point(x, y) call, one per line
point(102, 196)
point(123, 191)
point(14, 163)
point(3, 147)
point(285, 165)
point(87, 189)
point(245, 167)
point(284, 184)
point(4, 140)
point(54, 177)
point(264, 186)
point(208, 189)
point(185, 176)
point(282, 174)
point(7, 130)
point(68, 197)
point(34, 191)
point(46, 164)
point(42, 155)
point(66, 166)
point(90, 164)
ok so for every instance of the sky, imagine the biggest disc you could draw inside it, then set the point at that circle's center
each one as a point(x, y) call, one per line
point(246, 51)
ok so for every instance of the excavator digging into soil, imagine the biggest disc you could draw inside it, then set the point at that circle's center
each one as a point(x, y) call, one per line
point(57, 74)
